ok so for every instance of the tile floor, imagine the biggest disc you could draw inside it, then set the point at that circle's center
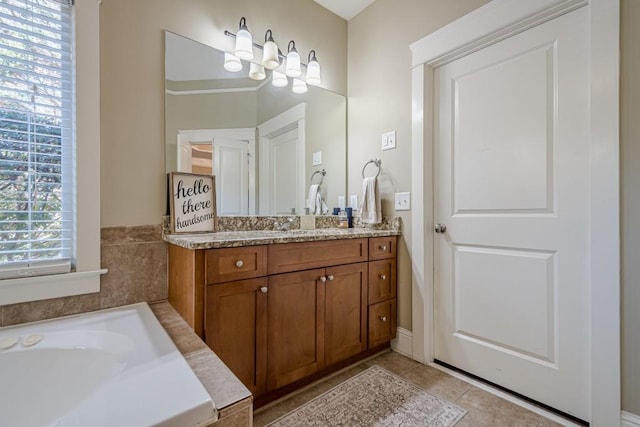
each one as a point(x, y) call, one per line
point(484, 409)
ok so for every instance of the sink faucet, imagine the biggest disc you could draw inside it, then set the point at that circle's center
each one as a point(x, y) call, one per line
point(286, 225)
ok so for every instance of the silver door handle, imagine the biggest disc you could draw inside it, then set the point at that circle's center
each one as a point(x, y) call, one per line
point(440, 228)
point(323, 279)
point(330, 277)
point(264, 289)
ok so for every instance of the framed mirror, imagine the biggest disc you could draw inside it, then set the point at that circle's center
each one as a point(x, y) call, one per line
point(263, 143)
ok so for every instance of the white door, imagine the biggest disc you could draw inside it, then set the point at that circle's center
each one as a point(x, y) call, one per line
point(231, 161)
point(284, 173)
point(511, 184)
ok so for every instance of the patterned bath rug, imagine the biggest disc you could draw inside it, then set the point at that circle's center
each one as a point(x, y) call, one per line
point(375, 397)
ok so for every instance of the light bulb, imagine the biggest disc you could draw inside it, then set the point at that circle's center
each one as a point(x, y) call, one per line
point(244, 41)
point(270, 59)
point(256, 72)
point(313, 70)
point(292, 68)
point(299, 86)
point(232, 63)
point(278, 79)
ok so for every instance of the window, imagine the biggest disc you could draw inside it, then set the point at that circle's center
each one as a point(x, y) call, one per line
point(36, 138)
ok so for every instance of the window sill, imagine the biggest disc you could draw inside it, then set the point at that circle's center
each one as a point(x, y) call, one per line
point(14, 291)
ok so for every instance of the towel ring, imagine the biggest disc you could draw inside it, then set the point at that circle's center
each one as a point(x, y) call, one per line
point(376, 162)
point(322, 173)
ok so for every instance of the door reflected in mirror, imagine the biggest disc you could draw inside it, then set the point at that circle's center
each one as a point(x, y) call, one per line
point(257, 139)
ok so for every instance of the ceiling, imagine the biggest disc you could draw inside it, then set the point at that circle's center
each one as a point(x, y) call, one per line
point(346, 9)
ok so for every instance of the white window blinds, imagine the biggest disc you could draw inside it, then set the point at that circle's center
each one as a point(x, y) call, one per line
point(36, 138)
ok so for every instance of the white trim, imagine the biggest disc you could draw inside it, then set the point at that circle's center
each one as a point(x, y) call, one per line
point(13, 291)
point(485, 26)
point(490, 23)
point(505, 396)
point(629, 420)
point(403, 342)
point(294, 117)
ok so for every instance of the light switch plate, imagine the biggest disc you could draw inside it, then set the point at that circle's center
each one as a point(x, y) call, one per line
point(341, 202)
point(389, 140)
point(317, 158)
point(403, 201)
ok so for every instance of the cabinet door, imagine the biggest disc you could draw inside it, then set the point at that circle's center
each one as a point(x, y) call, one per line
point(382, 322)
point(236, 329)
point(295, 326)
point(345, 311)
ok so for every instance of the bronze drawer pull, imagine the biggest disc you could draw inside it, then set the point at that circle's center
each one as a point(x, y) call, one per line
point(239, 263)
point(382, 248)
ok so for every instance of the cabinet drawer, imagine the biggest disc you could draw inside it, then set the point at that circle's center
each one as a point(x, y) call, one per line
point(224, 265)
point(382, 247)
point(303, 256)
point(382, 280)
point(382, 322)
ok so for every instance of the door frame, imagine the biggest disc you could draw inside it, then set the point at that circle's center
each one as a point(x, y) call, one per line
point(293, 118)
point(185, 136)
point(495, 21)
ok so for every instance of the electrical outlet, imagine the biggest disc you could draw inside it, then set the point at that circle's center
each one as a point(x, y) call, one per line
point(389, 140)
point(354, 202)
point(403, 201)
point(341, 202)
point(317, 158)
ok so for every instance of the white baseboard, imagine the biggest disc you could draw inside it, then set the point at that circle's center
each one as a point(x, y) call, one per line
point(403, 342)
point(630, 420)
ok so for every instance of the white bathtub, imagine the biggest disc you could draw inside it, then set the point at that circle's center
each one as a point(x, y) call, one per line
point(115, 367)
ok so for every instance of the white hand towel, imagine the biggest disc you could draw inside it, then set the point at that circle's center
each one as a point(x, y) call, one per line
point(311, 199)
point(370, 209)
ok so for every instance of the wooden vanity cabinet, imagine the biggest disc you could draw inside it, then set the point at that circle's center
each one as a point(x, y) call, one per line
point(280, 314)
point(316, 318)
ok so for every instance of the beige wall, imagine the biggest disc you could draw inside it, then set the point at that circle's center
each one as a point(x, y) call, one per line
point(132, 82)
point(379, 100)
point(630, 159)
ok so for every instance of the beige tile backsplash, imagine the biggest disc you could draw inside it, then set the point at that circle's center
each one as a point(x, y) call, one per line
point(136, 260)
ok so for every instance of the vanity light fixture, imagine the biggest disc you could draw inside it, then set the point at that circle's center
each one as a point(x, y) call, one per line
point(244, 41)
point(256, 72)
point(292, 67)
point(299, 86)
point(278, 79)
point(270, 59)
point(313, 70)
point(232, 63)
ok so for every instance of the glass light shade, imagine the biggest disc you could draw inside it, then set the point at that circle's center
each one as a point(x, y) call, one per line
point(270, 59)
point(299, 86)
point(292, 69)
point(278, 79)
point(256, 72)
point(232, 63)
point(244, 44)
point(313, 73)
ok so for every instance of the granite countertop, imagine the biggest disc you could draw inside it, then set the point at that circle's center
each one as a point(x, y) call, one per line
point(230, 239)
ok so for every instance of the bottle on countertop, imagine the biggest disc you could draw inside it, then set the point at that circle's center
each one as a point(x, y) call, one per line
point(343, 220)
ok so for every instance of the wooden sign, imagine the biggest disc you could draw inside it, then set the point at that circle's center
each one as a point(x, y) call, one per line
point(193, 203)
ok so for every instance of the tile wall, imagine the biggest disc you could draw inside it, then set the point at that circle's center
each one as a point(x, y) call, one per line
point(136, 258)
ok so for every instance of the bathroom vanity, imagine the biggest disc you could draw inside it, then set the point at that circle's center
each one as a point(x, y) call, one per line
point(282, 309)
